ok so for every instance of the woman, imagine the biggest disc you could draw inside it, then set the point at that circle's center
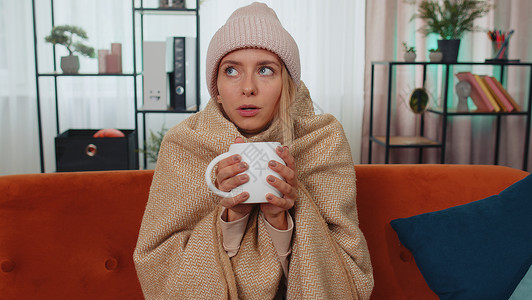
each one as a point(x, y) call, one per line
point(303, 245)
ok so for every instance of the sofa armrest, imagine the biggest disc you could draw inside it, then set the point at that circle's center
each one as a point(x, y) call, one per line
point(71, 235)
point(387, 192)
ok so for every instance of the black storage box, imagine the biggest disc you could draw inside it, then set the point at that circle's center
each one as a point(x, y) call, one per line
point(77, 150)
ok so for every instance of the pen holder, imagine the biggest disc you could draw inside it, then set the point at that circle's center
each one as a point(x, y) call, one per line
point(500, 50)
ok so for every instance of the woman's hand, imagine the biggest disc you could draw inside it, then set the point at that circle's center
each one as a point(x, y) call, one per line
point(275, 210)
point(228, 178)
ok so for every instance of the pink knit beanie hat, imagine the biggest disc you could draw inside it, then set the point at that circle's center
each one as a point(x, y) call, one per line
point(252, 26)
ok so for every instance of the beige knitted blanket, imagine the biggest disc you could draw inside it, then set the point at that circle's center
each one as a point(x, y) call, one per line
point(179, 252)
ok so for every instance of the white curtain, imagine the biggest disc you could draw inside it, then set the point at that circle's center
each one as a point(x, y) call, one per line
point(329, 34)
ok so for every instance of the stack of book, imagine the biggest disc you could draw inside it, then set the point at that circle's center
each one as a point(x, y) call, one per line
point(488, 94)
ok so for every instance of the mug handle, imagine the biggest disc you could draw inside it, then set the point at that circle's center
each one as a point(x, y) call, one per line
point(208, 172)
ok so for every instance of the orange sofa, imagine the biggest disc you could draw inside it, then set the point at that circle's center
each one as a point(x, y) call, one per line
point(72, 235)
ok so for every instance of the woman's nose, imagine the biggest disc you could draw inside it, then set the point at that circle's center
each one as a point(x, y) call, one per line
point(249, 87)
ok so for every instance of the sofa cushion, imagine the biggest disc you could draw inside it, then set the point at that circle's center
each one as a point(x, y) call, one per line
point(480, 250)
point(524, 289)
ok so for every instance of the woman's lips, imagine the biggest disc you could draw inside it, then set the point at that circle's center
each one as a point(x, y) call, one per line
point(248, 110)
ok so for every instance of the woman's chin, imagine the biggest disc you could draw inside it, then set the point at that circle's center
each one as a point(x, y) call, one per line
point(249, 132)
point(252, 130)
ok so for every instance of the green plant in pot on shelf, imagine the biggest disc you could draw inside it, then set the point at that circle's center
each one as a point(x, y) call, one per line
point(435, 55)
point(151, 148)
point(450, 19)
point(72, 38)
point(409, 52)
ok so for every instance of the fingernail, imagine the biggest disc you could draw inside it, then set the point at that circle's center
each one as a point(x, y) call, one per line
point(243, 177)
point(280, 149)
point(242, 166)
point(285, 148)
point(271, 179)
point(236, 158)
point(269, 197)
point(244, 195)
point(273, 163)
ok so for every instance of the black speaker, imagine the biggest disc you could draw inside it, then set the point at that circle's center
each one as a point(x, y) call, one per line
point(181, 69)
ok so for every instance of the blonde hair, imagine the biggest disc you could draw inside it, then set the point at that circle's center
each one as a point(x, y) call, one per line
point(288, 94)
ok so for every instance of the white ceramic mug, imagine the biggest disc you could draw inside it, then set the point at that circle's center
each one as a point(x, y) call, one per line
point(257, 156)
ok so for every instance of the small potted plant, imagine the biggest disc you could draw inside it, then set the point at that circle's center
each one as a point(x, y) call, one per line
point(71, 37)
point(154, 144)
point(435, 55)
point(409, 53)
point(450, 19)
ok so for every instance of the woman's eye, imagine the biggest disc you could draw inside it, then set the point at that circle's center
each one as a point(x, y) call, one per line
point(230, 71)
point(265, 71)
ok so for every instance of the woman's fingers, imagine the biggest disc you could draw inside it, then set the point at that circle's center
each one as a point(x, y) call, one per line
point(285, 203)
point(236, 209)
point(234, 201)
point(230, 161)
point(233, 182)
point(227, 170)
point(284, 153)
point(284, 171)
point(288, 172)
point(233, 159)
point(227, 178)
point(287, 187)
point(283, 187)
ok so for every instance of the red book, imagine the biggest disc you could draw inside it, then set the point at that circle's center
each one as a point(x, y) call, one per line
point(498, 94)
point(510, 98)
point(477, 93)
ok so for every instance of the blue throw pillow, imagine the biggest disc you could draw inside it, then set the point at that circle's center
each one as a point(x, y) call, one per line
point(480, 250)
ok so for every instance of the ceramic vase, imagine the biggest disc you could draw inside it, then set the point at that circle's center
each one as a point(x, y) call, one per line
point(70, 64)
point(409, 56)
point(449, 49)
point(435, 56)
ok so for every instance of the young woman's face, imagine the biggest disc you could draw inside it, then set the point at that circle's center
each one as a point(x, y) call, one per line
point(249, 83)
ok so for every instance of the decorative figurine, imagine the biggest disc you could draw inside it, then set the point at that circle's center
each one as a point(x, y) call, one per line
point(463, 89)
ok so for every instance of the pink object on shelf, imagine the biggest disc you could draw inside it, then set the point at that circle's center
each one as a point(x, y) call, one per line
point(477, 94)
point(102, 56)
point(498, 93)
point(116, 49)
point(113, 65)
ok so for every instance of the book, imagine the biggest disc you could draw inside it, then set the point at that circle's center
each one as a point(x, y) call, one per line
point(496, 107)
point(506, 94)
point(497, 94)
point(477, 94)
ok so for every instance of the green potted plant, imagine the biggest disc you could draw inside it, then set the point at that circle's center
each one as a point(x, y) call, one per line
point(154, 144)
point(71, 37)
point(409, 53)
point(450, 19)
point(435, 55)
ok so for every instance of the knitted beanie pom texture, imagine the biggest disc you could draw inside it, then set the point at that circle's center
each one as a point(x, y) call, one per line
point(252, 26)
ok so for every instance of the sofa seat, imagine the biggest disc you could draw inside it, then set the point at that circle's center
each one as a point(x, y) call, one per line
point(72, 235)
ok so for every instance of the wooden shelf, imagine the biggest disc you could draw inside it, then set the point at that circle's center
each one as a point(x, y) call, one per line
point(454, 111)
point(407, 141)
